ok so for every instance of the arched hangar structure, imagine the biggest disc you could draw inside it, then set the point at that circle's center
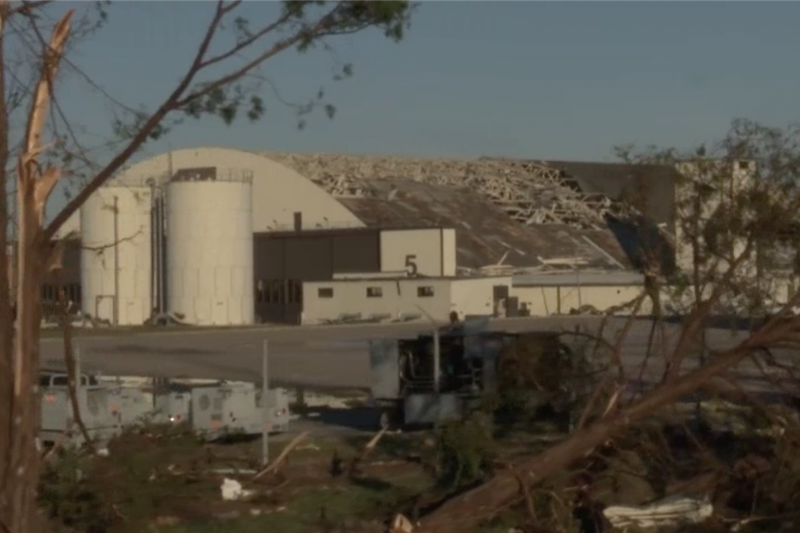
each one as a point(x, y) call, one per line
point(278, 190)
point(320, 217)
point(209, 203)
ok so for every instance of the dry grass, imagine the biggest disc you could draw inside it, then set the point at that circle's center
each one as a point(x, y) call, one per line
point(165, 480)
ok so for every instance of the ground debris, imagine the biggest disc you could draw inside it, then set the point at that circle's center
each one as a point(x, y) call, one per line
point(624, 482)
point(232, 490)
point(672, 511)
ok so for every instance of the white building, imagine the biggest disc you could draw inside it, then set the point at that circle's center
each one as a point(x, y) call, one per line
point(454, 228)
point(561, 293)
point(400, 299)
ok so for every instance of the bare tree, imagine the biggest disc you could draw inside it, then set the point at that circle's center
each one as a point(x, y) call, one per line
point(216, 82)
point(735, 244)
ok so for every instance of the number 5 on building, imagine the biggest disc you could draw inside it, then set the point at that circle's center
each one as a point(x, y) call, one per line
point(411, 265)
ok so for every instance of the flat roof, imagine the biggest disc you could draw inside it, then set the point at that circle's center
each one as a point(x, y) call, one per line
point(577, 278)
point(342, 230)
point(420, 279)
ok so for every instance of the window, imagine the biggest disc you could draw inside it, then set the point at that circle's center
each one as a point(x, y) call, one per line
point(374, 292)
point(325, 292)
point(424, 292)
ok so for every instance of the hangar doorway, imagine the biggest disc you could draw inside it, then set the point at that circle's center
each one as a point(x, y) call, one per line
point(279, 301)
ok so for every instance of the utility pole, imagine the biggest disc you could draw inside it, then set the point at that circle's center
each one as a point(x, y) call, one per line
point(264, 403)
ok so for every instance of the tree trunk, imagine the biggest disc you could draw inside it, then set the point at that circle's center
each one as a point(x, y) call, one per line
point(21, 474)
point(467, 510)
point(19, 410)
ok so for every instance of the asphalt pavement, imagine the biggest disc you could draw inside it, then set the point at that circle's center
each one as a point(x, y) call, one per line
point(332, 356)
point(335, 357)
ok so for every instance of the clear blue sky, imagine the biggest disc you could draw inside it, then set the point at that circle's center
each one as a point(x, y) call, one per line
point(560, 80)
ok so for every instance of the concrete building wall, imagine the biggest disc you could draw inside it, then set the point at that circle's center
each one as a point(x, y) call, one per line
point(475, 296)
point(278, 191)
point(374, 298)
point(424, 252)
point(449, 255)
point(560, 299)
point(398, 298)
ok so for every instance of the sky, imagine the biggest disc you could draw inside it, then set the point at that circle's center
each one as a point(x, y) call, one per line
point(545, 80)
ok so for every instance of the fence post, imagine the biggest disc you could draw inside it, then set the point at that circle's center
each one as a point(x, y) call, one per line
point(264, 406)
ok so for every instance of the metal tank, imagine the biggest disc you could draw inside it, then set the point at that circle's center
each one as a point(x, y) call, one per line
point(116, 254)
point(210, 246)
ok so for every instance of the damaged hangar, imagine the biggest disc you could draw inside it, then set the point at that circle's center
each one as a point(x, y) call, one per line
point(365, 237)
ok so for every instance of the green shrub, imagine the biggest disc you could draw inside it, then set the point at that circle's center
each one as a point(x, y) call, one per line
point(465, 451)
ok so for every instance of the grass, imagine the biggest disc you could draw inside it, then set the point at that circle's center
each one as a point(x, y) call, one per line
point(164, 480)
point(304, 513)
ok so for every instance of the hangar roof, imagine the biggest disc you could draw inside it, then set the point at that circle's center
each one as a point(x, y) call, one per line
point(485, 235)
point(650, 188)
point(578, 194)
point(548, 195)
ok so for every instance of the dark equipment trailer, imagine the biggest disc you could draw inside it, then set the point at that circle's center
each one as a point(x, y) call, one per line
point(443, 375)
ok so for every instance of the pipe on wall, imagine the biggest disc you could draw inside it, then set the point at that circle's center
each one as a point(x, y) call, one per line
point(116, 261)
point(154, 261)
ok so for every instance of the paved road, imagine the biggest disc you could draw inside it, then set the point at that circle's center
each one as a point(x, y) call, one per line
point(320, 356)
point(336, 357)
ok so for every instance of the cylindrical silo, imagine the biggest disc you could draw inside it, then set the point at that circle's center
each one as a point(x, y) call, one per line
point(116, 254)
point(210, 247)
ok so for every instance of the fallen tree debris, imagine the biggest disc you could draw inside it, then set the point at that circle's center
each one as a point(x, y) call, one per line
point(275, 465)
point(357, 460)
point(671, 511)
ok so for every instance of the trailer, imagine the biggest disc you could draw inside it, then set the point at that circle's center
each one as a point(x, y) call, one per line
point(107, 408)
point(444, 375)
point(237, 408)
point(94, 401)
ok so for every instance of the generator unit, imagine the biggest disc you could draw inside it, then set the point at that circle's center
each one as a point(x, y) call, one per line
point(222, 409)
point(172, 405)
point(443, 375)
point(57, 415)
point(107, 408)
point(277, 409)
point(130, 405)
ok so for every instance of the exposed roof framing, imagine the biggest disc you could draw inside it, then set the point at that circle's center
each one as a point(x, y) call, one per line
point(530, 192)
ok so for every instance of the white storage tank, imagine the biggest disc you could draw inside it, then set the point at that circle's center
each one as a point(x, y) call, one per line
point(116, 254)
point(210, 246)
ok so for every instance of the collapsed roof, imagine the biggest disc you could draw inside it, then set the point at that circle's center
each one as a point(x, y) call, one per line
point(486, 239)
point(553, 196)
point(531, 192)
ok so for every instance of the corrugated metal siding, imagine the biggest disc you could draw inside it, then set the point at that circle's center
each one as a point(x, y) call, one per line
point(308, 259)
point(284, 260)
point(356, 252)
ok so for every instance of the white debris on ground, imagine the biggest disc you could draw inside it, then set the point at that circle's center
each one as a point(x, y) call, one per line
point(312, 399)
point(232, 490)
point(667, 512)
